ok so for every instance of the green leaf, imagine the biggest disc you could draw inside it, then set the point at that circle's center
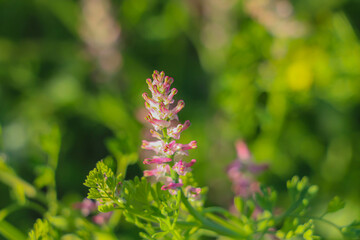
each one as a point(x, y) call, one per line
point(335, 205)
point(42, 231)
point(10, 232)
point(239, 204)
point(106, 207)
point(60, 222)
point(104, 187)
point(19, 193)
point(164, 226)
point(9, 177)
point(145, 236)
point(159, 235)
point(292, 229)
point(300, 192)
point(352, 231)
point(266, 199)
point(46, 177)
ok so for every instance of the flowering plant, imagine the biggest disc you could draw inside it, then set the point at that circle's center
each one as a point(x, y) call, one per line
point(172, 207)
point(164, 119)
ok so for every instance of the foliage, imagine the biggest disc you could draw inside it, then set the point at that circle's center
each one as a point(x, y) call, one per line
point(104, 187)
point(42, 231)
point(165, 216)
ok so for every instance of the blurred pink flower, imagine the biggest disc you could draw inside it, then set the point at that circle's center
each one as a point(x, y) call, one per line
point(88, 207)
point(102, 218)
point(242, 170)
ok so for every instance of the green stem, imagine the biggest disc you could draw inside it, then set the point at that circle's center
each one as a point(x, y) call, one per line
point(164, 132)
point(149, 219)
point(222, 222)
point(187, 224)
point(207, 224)
point(14, 207)
point(10, 232)
point(293, 206)
point(319, 219)
point(174, 232)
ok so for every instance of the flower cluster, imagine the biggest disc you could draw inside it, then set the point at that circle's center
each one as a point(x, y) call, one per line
point(88, 207)
point(241, 172)
point(167, 129)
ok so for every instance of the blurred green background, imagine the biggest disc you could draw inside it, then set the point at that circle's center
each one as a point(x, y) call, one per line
point(282, 75)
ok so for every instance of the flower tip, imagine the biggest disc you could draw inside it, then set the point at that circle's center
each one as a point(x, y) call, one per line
point(187, 123)
point(144, 144)
point(145, 95)
point(193, 144)
point(168, 81)
point(174, 91)
point(242, 150)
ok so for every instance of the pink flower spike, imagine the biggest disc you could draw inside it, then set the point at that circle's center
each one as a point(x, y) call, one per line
point(157, 160)
point(163, 115)
point(242, 150)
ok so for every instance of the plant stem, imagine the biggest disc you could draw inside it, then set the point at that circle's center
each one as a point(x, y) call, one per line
point(210, 225)
point(293, 206)
point(14, 207)
point(319, 219)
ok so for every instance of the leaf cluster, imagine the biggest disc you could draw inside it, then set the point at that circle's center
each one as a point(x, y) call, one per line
point(42, 231)
point(146, 206)
point(105, 187)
